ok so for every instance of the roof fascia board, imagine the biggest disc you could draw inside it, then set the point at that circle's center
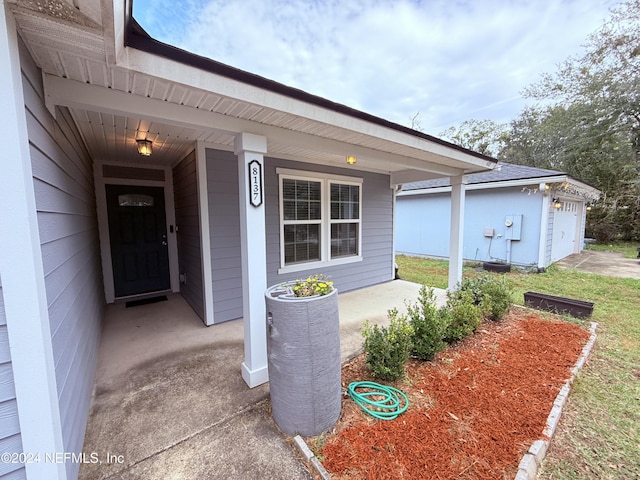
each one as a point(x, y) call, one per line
point(512, 183)
point(150, 57)
point(588, 188)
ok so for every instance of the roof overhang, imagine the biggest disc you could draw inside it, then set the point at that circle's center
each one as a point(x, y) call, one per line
point(557, 185)
point(118, 92)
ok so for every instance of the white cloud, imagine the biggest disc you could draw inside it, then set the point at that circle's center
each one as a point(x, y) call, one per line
point(450, 60)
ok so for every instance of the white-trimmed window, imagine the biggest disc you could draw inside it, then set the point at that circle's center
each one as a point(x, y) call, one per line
point(320, 219)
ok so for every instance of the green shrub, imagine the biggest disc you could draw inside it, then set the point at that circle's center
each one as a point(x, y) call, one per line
point(388, 348)
point(475, 286)
point(496, 300)
point(464, 317)
point(428, 325)
point(492, 295)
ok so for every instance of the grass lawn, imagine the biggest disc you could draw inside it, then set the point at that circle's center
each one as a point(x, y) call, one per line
point(599, 434)
point(628, 249)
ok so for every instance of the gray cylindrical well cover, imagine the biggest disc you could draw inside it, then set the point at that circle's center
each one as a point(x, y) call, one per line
point(303, 351)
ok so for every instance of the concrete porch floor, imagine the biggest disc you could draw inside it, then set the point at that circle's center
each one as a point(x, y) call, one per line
point(169, 400)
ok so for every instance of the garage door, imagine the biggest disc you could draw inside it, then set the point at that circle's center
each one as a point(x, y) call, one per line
point(565, 229)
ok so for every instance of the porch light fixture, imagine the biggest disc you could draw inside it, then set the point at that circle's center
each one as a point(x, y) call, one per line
point(556, 203)
point(351, 160)
point(145, 147)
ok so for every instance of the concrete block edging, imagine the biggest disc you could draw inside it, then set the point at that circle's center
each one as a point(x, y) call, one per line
point(531, 461)
point(311, 458)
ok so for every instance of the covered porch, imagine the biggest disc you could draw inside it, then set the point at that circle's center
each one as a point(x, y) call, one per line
point(169, 403)
point(202, 147)
point(87, 88)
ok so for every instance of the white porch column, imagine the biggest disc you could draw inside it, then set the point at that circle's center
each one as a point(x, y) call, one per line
point(456, 232)
point(250, 150)
point(544, 223)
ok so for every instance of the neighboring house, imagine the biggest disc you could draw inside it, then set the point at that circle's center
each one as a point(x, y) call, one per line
point(247, 185)
point(515, 214)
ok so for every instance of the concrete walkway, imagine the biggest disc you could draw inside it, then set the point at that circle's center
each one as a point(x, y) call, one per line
point(603, 263)
point(170, 403)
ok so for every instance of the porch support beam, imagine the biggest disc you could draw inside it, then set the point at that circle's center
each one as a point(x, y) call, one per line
point(411, 175)
point(456, 233)
point(250, 149)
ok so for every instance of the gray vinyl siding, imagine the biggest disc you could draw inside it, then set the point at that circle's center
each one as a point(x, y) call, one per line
point(66, 211)
point(377, 229)
point(224, 229)
point(224, 216)
point(10, 441)
point(188, 223)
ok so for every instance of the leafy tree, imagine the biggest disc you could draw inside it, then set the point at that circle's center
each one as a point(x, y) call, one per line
point(482, 136)
point(590, 124)
point(607, 77)
point(586, 123)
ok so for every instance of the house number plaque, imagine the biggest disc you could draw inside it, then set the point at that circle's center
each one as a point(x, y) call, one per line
point(255, 183)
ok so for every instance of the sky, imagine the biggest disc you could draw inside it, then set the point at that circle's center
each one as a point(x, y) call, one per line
point(440, 62)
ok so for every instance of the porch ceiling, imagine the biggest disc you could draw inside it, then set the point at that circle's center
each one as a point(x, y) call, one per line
point(175, 106)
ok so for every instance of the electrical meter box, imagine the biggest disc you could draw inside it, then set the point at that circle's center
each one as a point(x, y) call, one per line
point(512, 227)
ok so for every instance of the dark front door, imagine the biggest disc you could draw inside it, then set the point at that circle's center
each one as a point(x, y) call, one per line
point(137, 230)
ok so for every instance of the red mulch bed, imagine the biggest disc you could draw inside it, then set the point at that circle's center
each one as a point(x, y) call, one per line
point(473, 411)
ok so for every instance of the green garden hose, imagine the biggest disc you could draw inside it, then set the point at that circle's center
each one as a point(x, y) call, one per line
point(379, 401)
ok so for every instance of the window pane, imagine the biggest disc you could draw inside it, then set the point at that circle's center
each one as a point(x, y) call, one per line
point(344, 239)
point(289, 209)
point(335, 210)
point(355, 194)
point(315, 211)
point(302, 211)
point(301, 243)
point(335, 193)
point(345, 202)
point(135, 200)
point(300, 199)
point(314, 191)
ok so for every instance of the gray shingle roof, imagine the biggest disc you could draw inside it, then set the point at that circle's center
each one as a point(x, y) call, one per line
point(502, 173)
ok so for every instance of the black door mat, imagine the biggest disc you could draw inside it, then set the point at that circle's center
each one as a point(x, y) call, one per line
point(146, 301)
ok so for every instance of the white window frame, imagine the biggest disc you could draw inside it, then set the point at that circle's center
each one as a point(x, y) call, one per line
point(325, 180)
